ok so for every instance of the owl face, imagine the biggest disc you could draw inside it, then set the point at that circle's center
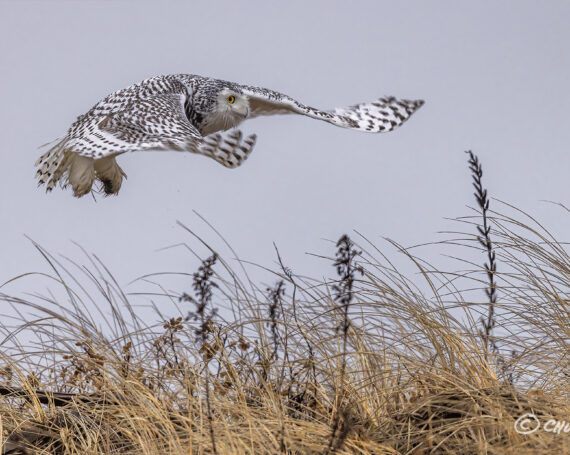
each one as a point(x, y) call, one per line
point(231, 102)
point(228, 109)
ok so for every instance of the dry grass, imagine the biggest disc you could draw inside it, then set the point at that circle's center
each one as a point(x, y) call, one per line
point(384, 364)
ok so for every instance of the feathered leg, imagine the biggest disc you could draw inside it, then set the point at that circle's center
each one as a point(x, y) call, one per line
point(81, 174)
point(110, 174)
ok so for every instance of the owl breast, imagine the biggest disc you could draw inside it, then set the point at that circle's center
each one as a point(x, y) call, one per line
point(218, 121)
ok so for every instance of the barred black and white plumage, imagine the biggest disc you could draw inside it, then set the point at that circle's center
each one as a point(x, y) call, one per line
point(186, 112)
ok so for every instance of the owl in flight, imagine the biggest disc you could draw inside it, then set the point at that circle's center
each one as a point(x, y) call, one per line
point(186, 112)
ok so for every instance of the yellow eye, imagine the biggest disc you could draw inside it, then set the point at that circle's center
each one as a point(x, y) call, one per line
point(231, 99)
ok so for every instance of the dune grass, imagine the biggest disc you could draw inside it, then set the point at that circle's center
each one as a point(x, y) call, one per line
point(367, 362)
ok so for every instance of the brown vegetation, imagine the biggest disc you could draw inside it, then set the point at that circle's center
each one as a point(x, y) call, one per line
point(372, 362)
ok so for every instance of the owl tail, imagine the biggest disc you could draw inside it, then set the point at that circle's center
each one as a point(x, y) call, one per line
point(54, 164)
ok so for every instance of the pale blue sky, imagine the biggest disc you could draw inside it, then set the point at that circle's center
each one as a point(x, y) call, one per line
point(494, 76)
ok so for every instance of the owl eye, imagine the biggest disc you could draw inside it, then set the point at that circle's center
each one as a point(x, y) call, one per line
point(231, 99)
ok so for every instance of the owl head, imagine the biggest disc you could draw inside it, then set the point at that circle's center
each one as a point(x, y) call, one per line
point(220, 106)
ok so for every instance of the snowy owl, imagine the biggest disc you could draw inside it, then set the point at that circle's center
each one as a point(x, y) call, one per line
point(186, 112)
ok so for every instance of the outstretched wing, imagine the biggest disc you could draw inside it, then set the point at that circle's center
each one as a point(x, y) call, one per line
point(158, 122)
point(382, 115)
